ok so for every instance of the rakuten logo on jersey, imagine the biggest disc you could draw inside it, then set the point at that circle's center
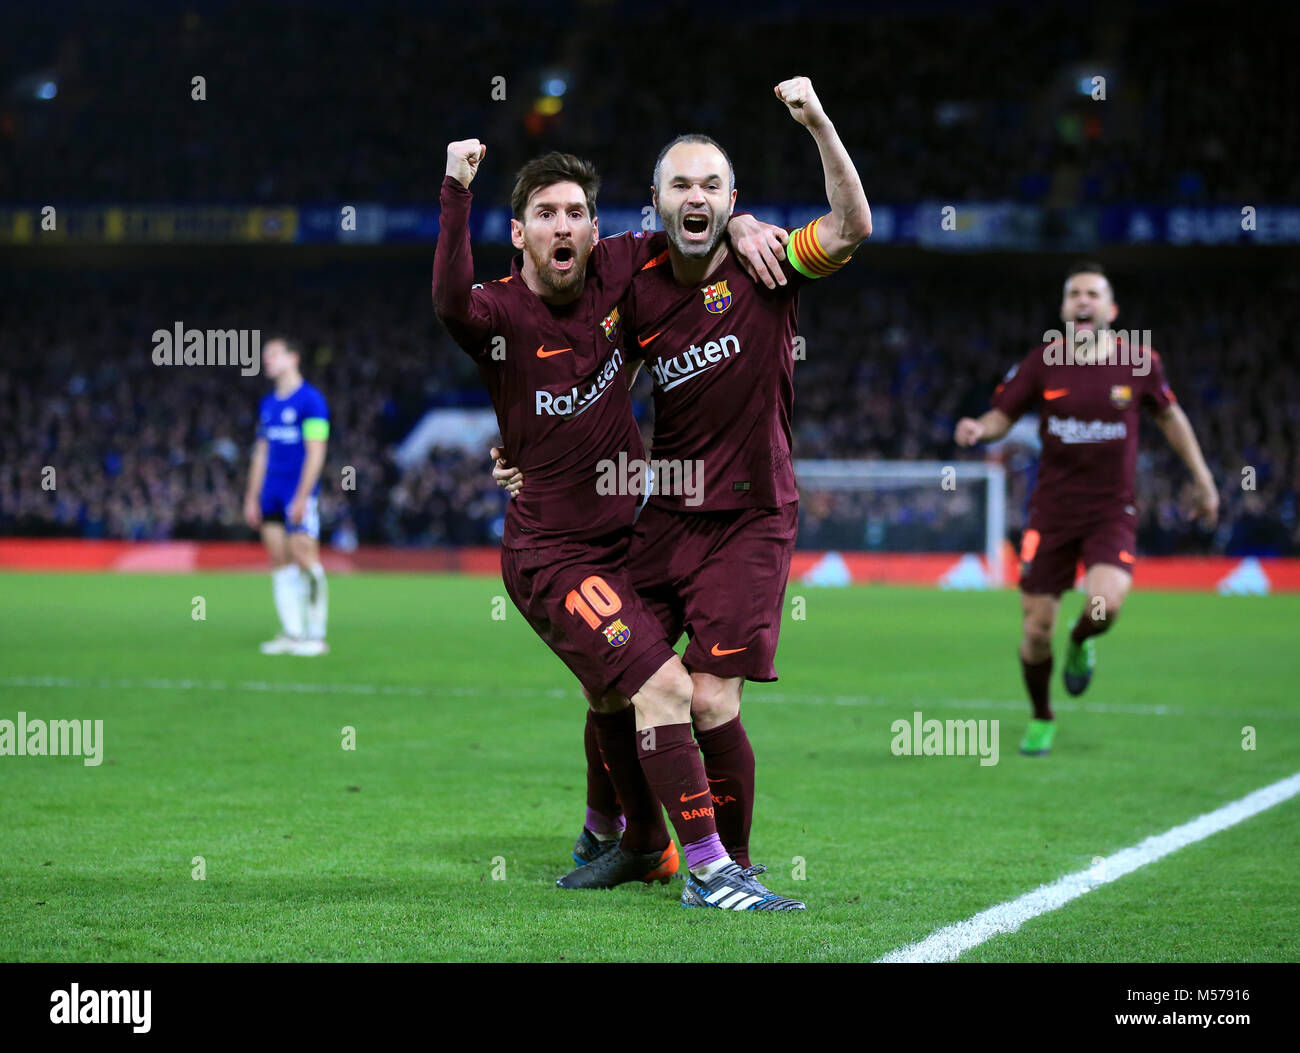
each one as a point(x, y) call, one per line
point(579, 400)
point(1071, 430)
point(669, 372)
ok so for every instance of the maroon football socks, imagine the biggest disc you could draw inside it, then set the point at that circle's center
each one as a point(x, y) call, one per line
point(673, 766)
point(1087, 626)
point(617, 738)
point(729, 766)
point(1038, 675)
point(604, 813)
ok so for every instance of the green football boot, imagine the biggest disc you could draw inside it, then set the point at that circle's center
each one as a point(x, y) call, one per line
point(1038, 738)
point(1080, 661)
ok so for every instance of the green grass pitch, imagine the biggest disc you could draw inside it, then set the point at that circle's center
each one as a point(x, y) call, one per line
point(440, 836)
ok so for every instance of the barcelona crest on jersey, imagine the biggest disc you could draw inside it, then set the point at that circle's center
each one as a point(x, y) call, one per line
point(717, 297)
point(1120, 395)
point(610, 324)
point(617, 633)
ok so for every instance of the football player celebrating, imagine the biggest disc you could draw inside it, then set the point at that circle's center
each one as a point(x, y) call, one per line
point(549, 348)
point(293, 427)
point(714, 563)
point(1082, 506)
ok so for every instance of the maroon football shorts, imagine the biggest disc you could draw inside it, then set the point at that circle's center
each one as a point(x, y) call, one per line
point(579, 599)
point(719, 577)
point(1051, 550)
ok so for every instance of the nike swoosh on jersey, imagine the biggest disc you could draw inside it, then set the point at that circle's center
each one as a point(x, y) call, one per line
point(718, 654)
point(1055, 393)
point(547, 354)
point(648, 338)
point(693, 796)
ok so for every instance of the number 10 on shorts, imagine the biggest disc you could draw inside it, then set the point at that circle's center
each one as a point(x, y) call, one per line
point(593, 601)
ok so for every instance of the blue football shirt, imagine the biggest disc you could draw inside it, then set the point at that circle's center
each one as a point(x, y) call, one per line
point(285, 423)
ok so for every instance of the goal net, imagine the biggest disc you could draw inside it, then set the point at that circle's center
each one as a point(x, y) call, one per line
point(906, 506)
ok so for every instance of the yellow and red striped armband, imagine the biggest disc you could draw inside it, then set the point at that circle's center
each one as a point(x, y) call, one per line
point(807, 256)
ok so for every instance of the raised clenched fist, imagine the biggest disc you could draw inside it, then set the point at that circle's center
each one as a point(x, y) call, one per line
point(797, 93)
point(969, 432)
point(463, 159)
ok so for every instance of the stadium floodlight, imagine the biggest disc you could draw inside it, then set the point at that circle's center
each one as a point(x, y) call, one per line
point(904, 506)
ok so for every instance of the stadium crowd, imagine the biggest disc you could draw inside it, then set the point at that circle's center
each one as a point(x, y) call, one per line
point(339, 102)
point(342, 102)
point(893, 359)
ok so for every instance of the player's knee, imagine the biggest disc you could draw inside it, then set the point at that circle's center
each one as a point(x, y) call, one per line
point(1037, 627)
point(1038, 636)
point(666, 697)
point(677, 688)
point(714, 702)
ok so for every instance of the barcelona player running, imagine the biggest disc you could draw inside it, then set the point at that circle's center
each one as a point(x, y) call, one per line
point(293, 428)
point(548, 346)
point(1082, 507)
point(712, 560)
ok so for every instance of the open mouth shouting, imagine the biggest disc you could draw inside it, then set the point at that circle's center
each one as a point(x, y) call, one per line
point(562, 259)
point(695, 226)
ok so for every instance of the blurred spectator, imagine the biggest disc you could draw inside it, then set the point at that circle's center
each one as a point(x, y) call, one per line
point(893, 358)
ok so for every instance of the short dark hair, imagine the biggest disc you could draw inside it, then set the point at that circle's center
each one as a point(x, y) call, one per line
point(693, 137)
point(1087, 267)
point(290, 343)
point(554, 168)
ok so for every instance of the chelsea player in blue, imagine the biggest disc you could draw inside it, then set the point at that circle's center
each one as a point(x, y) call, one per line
point(292, 432)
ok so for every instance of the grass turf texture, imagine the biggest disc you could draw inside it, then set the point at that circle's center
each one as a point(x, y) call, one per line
point(468, 736)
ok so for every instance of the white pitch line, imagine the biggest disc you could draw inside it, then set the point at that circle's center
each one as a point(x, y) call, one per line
point(1136, 708)
point(1139, 709)
point(188, 684)
point(952, 941)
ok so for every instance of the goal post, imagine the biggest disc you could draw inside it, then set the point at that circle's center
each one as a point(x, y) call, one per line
point(906, 506)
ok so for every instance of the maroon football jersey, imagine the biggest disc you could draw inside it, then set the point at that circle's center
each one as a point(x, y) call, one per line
point(554, 374)
point(1088, 426)
point(721, 356)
